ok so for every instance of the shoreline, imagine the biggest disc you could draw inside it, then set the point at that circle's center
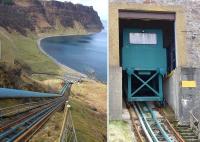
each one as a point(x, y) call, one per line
point(62, 66)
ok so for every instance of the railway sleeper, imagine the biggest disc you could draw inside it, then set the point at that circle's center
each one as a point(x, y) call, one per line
point(187, 134)
point(190, 137)
point(186, 130)
point(191, 140)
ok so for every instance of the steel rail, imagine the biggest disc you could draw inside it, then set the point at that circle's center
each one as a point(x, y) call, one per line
point(147, 125)
point(150, 131)
point(142, 124)
point(9, 132)
point(33, 121)
point(30, 132)
point(6, 108)
point(177, 135)
point(133, 120)
point(165, 135)
point(16, 109)
point(11, 123)
point(24, 107)
point(22, 126)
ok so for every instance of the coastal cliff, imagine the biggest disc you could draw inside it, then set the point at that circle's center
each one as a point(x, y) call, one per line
point(23, 22)
point(41, 16)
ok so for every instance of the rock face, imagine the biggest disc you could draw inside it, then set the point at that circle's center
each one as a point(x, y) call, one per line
point(35, 15)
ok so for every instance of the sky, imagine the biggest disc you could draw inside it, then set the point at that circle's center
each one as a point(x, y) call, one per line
point(101, 6)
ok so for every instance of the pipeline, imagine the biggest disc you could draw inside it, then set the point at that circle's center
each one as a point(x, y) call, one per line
point(15, 93)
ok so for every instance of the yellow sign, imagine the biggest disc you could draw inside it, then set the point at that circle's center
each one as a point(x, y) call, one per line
point(189, 84)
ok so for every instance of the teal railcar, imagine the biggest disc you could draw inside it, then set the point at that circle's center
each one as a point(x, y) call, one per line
point(144, 64)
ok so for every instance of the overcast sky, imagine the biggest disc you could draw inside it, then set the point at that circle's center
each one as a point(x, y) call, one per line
point(101, 6)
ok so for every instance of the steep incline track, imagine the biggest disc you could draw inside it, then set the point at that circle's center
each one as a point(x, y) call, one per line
point(21, 126)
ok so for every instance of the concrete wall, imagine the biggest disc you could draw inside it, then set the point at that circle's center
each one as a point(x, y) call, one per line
point(115, 93)
point(189, 97)
point(171, 90)
point(183, 99)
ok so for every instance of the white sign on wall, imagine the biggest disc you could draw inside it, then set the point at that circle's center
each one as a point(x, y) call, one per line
point(142, 38)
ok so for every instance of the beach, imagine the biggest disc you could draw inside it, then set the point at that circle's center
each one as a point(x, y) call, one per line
point(64, 67)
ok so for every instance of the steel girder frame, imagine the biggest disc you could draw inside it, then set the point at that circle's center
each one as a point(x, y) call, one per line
point(158, 95)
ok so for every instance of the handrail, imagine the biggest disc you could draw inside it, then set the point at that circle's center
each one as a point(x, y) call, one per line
point(68, 133)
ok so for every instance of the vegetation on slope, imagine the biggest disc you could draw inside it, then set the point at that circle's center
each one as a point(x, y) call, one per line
point(16, 76)
point(88, 103)
point(51, 130)
point(119, 131)
point(88, 108)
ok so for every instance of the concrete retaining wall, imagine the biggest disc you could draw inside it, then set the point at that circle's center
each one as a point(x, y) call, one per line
point(183, 99)
point(171, 90)
point(189, 97)
point(115, 93)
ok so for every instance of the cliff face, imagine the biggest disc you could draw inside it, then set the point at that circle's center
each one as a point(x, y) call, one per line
point(39, 16)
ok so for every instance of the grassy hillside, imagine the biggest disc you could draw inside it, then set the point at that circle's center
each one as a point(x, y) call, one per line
point(24, 49)
point(88, 103)
point(88, 109)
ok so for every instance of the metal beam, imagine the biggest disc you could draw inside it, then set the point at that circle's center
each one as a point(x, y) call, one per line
point(125, 14)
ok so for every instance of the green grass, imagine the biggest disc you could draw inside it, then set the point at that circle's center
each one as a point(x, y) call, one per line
point(6, 47)
point(25, 50)
point(89, 126)
point(28, 52)
point(119, 131)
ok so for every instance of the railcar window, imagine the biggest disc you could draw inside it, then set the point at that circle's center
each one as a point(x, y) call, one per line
point(142, 38)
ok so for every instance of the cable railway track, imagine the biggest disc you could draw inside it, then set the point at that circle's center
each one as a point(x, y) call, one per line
point(150, 126)
point(20, 127)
